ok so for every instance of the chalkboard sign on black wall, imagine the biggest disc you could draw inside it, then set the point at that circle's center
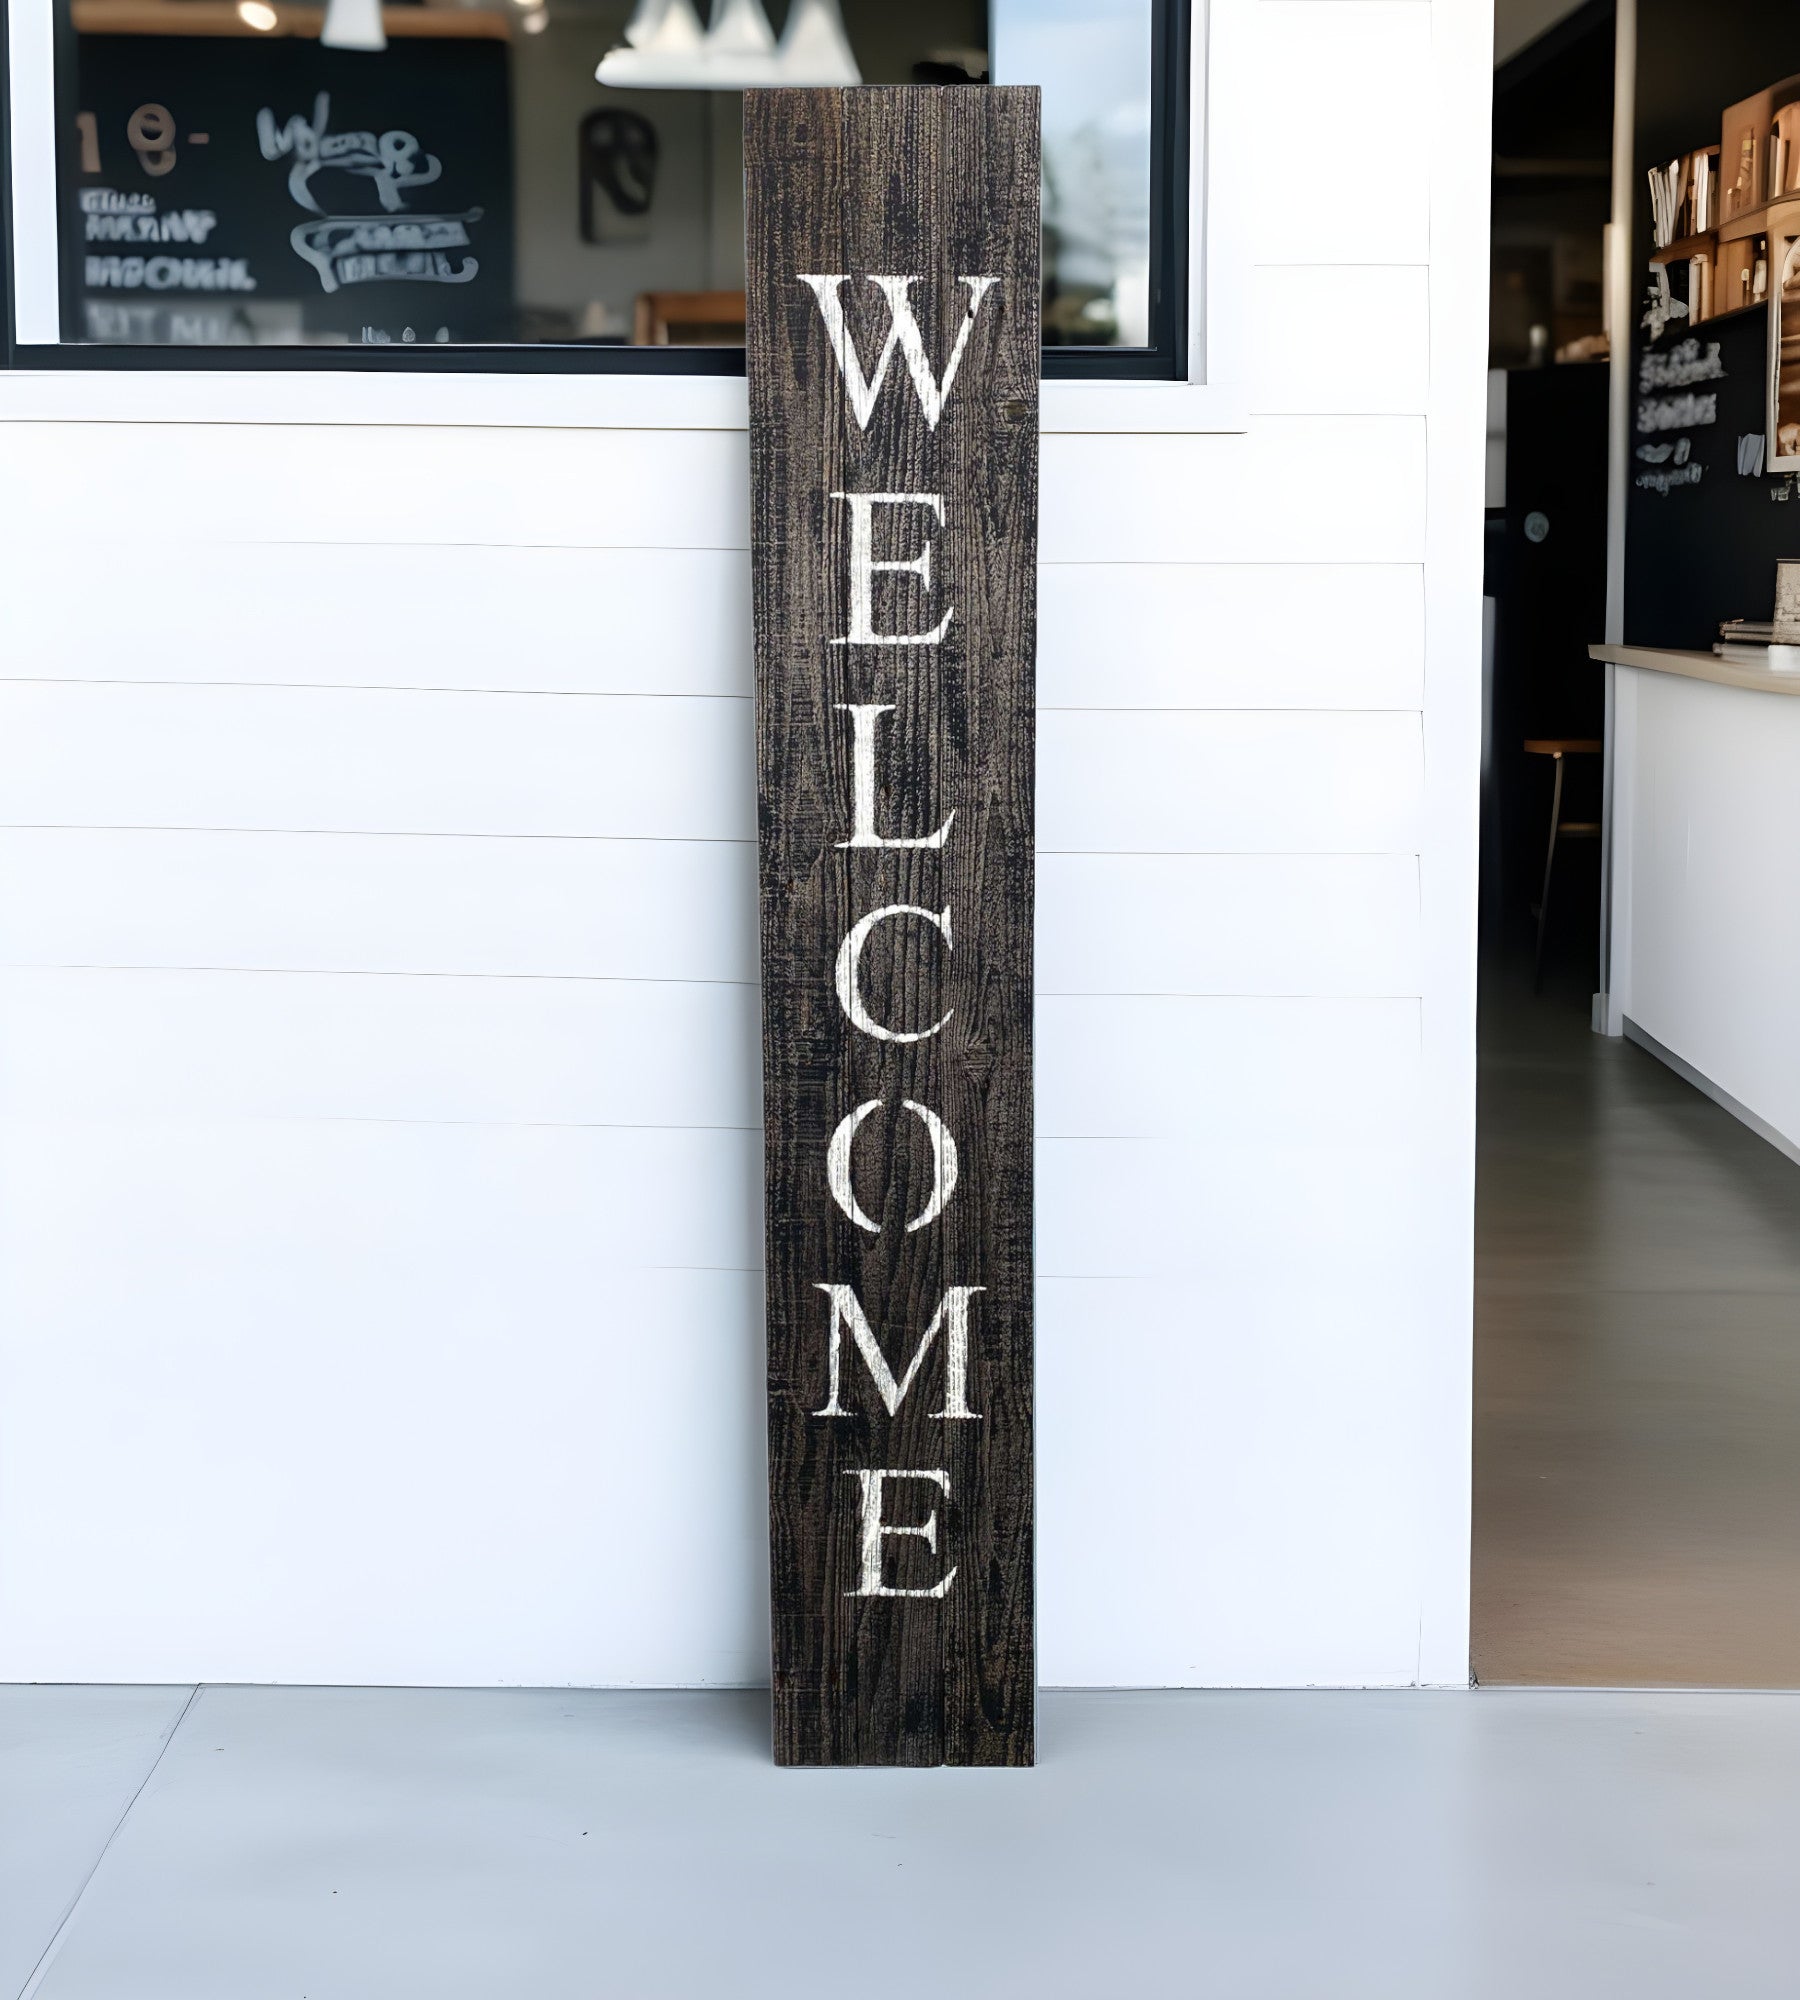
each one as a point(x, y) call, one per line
point(1702, 538)
point(235, 189)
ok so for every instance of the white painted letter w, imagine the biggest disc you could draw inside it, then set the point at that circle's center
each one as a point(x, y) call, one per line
point(903, 333)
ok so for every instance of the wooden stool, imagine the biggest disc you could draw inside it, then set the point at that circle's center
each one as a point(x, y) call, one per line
point(1557, 749)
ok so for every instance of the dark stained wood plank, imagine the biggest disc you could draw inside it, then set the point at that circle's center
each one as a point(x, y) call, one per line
point(940, 185)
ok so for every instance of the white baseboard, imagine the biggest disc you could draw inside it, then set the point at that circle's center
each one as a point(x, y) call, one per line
point(1705, 1085)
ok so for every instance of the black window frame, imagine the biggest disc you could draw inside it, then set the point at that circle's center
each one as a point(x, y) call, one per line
point(1164, 360)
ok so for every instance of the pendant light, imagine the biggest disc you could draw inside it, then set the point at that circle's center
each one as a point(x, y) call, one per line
point(814, 47)
point(669, 27)
point(353, 24)
point(665, 49)
point(646, 18)
point(739, 28)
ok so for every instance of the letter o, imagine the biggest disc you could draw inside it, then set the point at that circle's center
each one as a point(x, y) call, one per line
point(943, 1165)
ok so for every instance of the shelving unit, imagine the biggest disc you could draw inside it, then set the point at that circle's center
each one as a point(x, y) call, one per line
point(1758, 155)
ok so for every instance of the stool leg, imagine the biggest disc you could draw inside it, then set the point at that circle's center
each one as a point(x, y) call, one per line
point(1537, 964)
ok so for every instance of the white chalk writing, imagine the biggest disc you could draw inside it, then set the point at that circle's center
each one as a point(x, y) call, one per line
point(1677, 413)
point(1682, 364)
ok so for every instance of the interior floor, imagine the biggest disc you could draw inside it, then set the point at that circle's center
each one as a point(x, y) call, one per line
point(1637, 1364)
point(360, 1844)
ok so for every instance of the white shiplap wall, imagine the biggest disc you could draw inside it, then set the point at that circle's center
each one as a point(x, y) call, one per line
point(379, 1189)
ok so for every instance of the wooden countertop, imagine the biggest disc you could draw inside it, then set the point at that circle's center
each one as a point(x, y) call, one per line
point(1701, 667)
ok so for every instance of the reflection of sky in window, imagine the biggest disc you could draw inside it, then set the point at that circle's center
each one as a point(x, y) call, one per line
point(1092, 59)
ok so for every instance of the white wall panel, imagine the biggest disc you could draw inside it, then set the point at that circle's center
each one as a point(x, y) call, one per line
point(1240, 782)
point(133, 1045)
point(420, 1305)
point(226, 1045)
point(1341, 179)
point(1339, 338)
point(1149, 1208)
point(1274, 635)
point(591, 621)
point(1301, 489)
point(1281, 489)
point(1218, 1548)
point(377, 761)
point(1267, 924)
point(369, 484)
point(1237, 1071)
point(648, 767)
point(571, 909)
point(385, 1308)
point(373, 1403)
point(677, 621)
point(1261, 924)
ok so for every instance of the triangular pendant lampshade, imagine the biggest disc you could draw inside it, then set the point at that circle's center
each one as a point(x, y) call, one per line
point(640, 30)
point(353, 24)
point(814, 48)
point(675, 32)
point(739, 28)
point(665, 49)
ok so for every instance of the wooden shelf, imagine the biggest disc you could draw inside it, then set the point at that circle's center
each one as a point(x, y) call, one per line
point(1685, 247)
point(1755, 221)
point(1733, 312)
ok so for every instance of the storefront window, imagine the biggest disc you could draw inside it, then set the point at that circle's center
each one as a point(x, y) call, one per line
point(244, 173)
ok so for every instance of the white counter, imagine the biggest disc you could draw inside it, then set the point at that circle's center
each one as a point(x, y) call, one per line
point(1705, 961)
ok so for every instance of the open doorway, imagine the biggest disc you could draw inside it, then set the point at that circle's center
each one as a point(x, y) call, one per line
point(1637, 1497)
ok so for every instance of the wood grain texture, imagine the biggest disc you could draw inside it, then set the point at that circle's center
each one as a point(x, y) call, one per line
point(941, 184)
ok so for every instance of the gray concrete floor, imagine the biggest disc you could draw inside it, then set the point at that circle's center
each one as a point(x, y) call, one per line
point(357, 1844)
point(1637, 1367)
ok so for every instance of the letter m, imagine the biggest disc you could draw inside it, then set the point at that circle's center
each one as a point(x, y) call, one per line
point(951, 1318)
point(903, 333)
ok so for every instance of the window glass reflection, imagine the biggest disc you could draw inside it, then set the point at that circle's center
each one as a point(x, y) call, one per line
point(248, 172)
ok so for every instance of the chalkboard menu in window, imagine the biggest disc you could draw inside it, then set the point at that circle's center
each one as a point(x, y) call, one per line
point(234, 189)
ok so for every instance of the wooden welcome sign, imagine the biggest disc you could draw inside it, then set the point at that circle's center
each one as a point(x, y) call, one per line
point(893, 356)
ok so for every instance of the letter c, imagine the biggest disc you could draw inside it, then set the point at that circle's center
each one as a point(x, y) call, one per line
point(849, 960)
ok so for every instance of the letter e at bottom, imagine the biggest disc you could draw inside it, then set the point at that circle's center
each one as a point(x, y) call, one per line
point(874, 1530)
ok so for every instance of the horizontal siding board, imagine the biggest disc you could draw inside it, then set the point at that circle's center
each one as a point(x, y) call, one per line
point(1260, 1369)
point(475, 1250)
point(96, 1045)
point(376, 761)
point(1246, 782)
point(1243, 924)
point(304, 1354)
point(653, 1199)
point(656, 910)
point(100, 1045)
point(1236, 1071)
point(643, 767)
point(1207, 635)
point(575, 620)
point(1148, 1208)
point(677, 622)
point(375, 485)
point(1339, 339)
point(1228, 924)
point(1292, 488)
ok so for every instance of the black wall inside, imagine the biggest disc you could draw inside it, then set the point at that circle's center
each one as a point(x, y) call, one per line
point(1700, 553)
